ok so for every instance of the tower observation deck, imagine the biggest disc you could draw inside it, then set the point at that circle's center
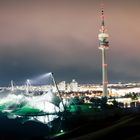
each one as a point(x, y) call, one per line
point(103, 46)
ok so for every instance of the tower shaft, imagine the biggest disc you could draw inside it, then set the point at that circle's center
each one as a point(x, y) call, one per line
point(104, 73)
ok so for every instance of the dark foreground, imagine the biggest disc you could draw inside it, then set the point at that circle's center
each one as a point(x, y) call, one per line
point(110, 125)
point(120, 126)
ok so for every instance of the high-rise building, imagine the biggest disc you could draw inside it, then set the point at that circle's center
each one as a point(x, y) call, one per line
point(73, 86)
point(62, 86)
point(103, 46)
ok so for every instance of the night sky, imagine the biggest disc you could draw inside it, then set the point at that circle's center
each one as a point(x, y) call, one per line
point(61, 36)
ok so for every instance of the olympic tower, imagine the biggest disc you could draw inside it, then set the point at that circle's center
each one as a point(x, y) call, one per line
point(104, 46)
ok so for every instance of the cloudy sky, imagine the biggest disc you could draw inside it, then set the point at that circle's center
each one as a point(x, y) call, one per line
point(61, 36)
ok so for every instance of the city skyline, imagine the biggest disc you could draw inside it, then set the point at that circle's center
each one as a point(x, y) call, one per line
point(62, 37)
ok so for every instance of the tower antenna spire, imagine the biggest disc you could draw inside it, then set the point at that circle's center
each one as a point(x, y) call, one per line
point(102, 19)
